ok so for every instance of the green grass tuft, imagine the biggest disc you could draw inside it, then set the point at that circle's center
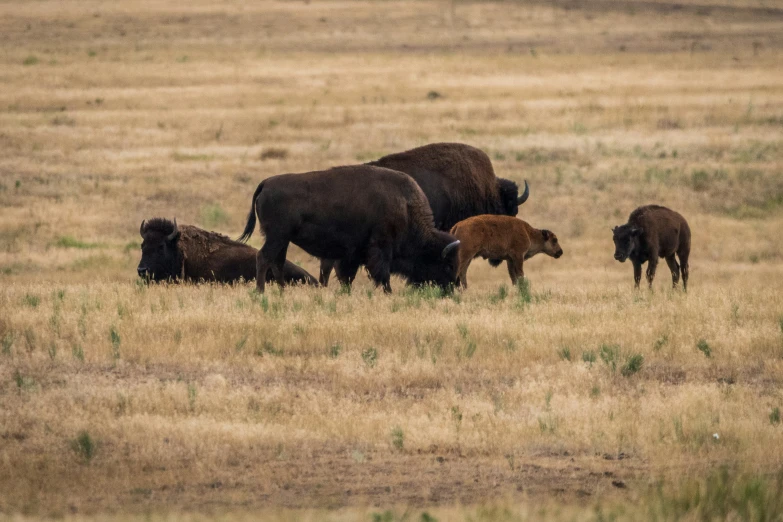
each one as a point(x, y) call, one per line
point(84, 446)
point(72, 242)
point(704, 348)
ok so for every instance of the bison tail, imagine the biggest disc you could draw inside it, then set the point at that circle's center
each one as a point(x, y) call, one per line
point(251, 217)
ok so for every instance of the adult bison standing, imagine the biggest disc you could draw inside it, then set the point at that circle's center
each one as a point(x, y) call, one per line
point(653, 231)
point(359, 215)
point(458, 181)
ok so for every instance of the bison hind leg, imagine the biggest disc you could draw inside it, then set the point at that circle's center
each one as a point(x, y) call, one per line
point(675, 268)
point(683, 255)
point(379, 266)
point(272, 254)
point(495, 262)
point(515, 270)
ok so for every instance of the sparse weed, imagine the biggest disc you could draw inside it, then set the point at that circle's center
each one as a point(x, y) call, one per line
point(84, 446)
point(7, 343)
point(334, 350)
point(588, 357)
point(565, 353)
point(78, 352)
point(610, 354)
point(662, 341)
point(114, 337)
point(704, 348)
point(632, 365)
point(31, 300)
point(240, 344)
point(456, 416)
point(398, 438)
point(524, 297)
point(213, 216)
point(192, 393)
point(501, 295)
point(72, 242)
point(774, 416)
point(370, 357)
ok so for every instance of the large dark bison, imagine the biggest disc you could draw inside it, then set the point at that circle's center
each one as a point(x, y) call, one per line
point(653, 231)
point(359, 215)
point(459, 183)
point(504, 238)
point(171, 252)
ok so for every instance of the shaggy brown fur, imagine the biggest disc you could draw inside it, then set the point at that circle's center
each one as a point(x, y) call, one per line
point(652, 232)
point(358, 215)
point(501, 238)
point(195, 254)
point(458, 181)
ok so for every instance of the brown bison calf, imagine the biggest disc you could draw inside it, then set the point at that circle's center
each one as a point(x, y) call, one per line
point(652, 232)
point(501, 238)
point(189, 253)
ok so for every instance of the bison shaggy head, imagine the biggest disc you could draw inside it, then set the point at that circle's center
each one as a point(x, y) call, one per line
point(510, 197)
point(626, 241)
point(161, 258)
point(434, 264)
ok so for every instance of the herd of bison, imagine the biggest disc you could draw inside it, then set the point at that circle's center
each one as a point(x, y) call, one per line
point(423, 214)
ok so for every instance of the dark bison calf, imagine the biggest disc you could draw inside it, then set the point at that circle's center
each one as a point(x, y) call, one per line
point(652, 232)
point(192, 254)
point(501, 238)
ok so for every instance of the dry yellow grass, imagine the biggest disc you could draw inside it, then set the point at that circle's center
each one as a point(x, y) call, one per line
point(193, 401)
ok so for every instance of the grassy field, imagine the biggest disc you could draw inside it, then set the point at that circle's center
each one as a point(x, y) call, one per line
point(571, 398)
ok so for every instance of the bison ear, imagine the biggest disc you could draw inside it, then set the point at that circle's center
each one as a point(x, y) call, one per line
point(546, 234)
point(142, 227)
point(637, 232)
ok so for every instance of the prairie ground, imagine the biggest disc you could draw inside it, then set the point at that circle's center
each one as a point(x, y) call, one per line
point(572, 398)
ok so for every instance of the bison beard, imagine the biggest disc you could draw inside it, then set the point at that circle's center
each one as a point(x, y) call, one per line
point(458, 181)
point(360, 215)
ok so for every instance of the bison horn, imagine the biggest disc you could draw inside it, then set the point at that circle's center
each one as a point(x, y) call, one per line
point(449, 248)
point(521, 199)
point(142, 227)
point(175, 233)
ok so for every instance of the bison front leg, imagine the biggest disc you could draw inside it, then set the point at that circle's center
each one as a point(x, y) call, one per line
point(652, 264)
point(675, 268)
point(326, 270)
point(345, 271)
point(379, 266)
point(637, 273)
point(515, 270)
point(261, 268)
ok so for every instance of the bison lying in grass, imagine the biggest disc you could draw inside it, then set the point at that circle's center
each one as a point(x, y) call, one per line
point(188, 253)
point(501, 238)
point(652, 232)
